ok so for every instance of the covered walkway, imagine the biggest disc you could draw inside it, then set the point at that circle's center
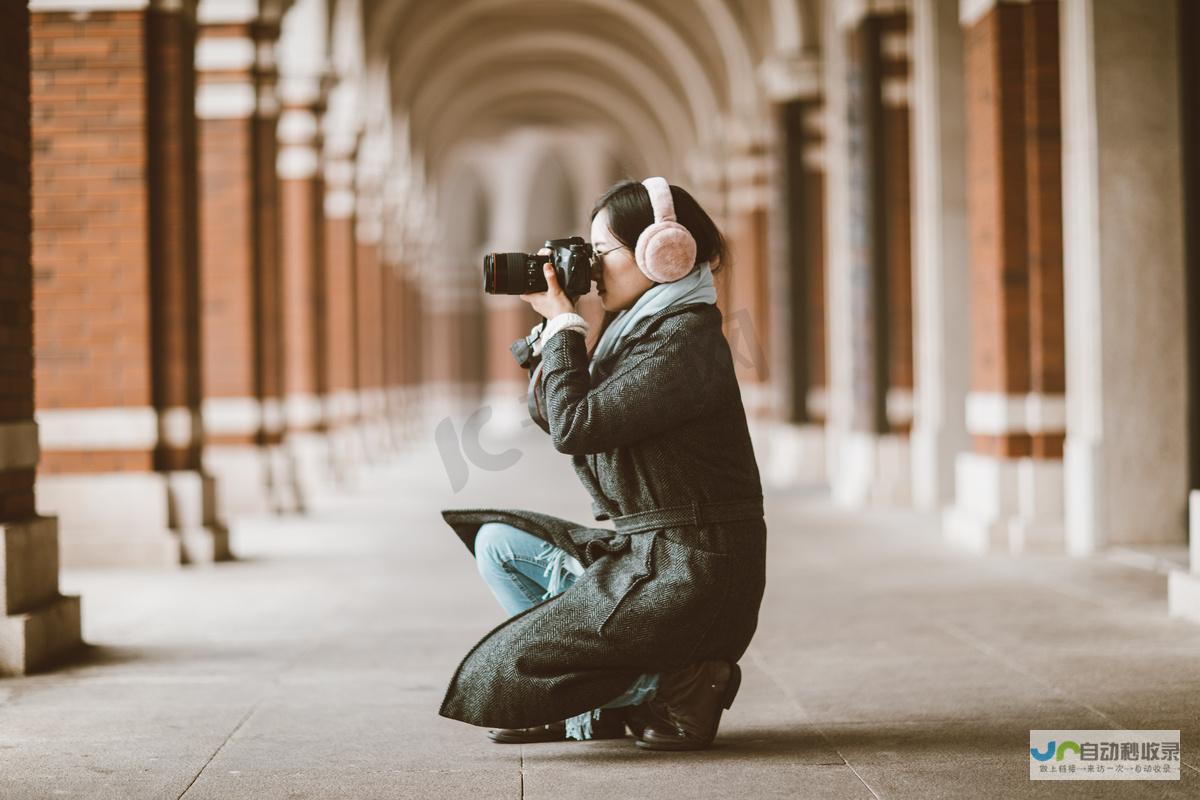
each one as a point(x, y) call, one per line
point(885, 665)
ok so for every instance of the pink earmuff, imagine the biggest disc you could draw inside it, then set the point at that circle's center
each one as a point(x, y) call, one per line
point(666, 250)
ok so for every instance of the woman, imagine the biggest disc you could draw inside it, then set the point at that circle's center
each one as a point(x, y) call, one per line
point(642, 626)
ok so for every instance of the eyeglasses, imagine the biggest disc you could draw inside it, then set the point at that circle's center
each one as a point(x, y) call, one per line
point(598, 256)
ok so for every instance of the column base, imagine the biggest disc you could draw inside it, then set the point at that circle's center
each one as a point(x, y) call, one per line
point(871, 469)
point(1183, 587)
point(1006, 505)
point(346, 453)
point(372, 431)
point(1183, 595)
point(243, 476)
point(791, 455)
point(135, 518)
point(40, 638)
point(38, 626)
point(310, 465)
point(282, 488)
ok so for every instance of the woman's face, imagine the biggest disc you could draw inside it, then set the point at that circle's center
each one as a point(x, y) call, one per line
point(619, 281)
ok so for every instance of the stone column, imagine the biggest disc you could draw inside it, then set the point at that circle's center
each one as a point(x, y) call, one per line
point(1126, 452)
point(226, 105)
point(38, 625)
point(117, 337)
point(303, 277)
point(1009, 488)
point(940, 261)
point(870, 261)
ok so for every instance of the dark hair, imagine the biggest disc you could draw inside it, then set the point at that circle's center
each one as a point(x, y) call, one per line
point(630, 213)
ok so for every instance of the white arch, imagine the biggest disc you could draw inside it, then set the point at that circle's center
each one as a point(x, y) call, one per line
point(496, 91)
point(744, 96)
point(689, 70)
point(659, 99)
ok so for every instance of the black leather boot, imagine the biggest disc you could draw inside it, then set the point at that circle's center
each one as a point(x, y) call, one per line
point(609, 725)
point(686, 710)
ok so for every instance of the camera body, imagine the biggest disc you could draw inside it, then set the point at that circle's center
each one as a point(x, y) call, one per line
point(521, 273)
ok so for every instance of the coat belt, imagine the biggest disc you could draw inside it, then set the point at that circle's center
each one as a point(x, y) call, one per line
point(698, 514)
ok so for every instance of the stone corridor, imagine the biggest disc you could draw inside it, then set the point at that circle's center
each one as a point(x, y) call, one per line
point(885, 666)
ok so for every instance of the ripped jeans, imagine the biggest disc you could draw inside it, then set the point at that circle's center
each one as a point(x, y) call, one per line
point(522, 570)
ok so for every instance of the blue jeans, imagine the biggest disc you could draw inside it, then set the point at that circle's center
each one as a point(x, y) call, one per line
point(522, 570)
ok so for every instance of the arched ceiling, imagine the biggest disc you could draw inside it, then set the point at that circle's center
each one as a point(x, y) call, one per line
point(687, 66)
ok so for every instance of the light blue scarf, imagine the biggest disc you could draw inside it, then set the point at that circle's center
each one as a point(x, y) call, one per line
point(695, 287)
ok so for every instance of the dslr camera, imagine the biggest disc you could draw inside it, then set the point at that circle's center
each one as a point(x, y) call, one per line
point(521, 273)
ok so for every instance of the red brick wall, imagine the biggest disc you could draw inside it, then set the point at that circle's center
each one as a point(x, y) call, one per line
point(748, 306)
point(302, 285)
point(369, 317)
point(90, 244)
point(16, 281)
point(1014, 153)
point(996, 191)
point(91, 206)
point(1043, 132)
point(228, 256)
point(230, 234)
point(413, 328)
point(340, 302)
point(393, 331)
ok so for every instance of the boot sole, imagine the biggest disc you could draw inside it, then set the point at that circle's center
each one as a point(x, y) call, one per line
point(731, 690)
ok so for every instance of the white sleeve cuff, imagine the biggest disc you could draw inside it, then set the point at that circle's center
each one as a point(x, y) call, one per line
point(560, 322)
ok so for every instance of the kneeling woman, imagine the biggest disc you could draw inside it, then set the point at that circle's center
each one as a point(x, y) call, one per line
point(642, 626)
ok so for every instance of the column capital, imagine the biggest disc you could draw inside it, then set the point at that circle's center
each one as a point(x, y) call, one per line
point(849, 13)
point(791, 77)
point(971, 11)
point(87, 6)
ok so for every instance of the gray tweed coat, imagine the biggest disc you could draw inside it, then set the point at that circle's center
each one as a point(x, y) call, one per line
point(659, 424)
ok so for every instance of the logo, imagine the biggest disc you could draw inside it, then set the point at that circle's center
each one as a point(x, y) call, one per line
point(1115, 755)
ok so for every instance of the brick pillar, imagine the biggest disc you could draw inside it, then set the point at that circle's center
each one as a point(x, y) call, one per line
point(115, 248)
point(231, 276)
point(369, 322)
point(415, 336)
point(797, 448)
point(38, 626)
point(747, 304)
point(394, 346)
point(340, 312)
point(285, 493)
point(804, 193)
point(301, 210)
point(875, 455)
point(1009, 494)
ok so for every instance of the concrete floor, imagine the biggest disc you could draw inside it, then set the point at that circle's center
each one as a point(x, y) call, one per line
point(313, 667)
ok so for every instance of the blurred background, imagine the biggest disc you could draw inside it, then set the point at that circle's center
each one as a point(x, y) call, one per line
point(241, 255)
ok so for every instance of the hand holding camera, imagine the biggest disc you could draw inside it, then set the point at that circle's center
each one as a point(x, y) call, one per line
point(554, 300)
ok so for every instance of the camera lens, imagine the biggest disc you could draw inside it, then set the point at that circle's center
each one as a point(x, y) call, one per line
point(504, 273)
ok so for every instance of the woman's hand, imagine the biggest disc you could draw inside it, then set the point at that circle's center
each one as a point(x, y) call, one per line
point(553, 301)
